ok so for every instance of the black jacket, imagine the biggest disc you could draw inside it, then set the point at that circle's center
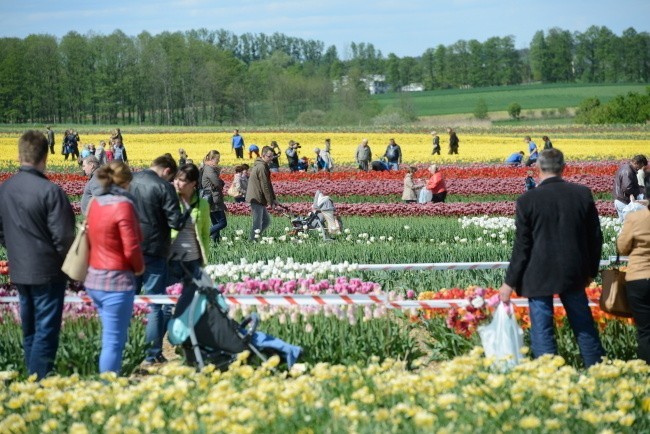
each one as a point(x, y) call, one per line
point(36, 227)
point(626, 184)
point(157, 205)
point(558, 240)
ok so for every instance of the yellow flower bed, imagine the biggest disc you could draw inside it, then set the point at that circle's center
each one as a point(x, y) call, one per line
point(464, 395)
point(142, 148)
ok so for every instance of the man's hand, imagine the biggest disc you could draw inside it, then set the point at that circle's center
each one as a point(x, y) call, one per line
point(505, 292)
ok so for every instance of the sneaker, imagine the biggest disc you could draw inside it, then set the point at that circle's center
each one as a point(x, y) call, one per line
point(158, 360)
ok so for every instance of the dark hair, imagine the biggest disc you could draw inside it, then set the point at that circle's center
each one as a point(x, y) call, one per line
point(545, 138)
point(267, 149)
point(239, 169)
point(551, 161)
point(115, 172)
point(32, 147)
point(191, 173)
point(640, 160)
point(166, 161)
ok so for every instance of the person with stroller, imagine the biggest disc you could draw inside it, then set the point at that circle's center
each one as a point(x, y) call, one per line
point(190, 244)
point(212, 185)
point(115, 259)
point(260, 193)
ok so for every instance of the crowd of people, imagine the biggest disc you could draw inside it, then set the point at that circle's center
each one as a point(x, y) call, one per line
point(146, 228)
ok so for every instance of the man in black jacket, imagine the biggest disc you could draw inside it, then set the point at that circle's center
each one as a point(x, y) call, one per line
point(37, 228)
point(157, 205)
point(556, 251)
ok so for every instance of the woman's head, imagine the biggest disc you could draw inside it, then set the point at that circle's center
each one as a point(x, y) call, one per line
point(212, 157)
point(187, 179)
point(114, 173)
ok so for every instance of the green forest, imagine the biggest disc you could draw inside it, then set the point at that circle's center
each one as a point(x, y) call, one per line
point(204, 77)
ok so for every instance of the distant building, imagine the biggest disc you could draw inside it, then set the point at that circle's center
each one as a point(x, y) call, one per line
point(373, 83)
point(412, 87)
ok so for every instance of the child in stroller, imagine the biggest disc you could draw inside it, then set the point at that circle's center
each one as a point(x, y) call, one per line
point(208, 335)
point(321, 218)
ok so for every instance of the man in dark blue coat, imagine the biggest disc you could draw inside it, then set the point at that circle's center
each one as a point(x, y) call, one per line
point(37, 228)
point(556, 251)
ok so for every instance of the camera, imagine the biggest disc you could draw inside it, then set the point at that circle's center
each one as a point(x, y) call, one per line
point(297, 145)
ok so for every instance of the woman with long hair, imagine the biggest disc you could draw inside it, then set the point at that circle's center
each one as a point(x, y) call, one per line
point(114, 238)
point(191, 244)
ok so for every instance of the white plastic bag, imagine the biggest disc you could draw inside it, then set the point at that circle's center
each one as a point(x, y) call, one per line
point(425, 196)
point(631, 207)
point(502, 339)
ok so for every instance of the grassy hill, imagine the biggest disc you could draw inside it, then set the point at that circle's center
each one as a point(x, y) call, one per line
point(530, 97)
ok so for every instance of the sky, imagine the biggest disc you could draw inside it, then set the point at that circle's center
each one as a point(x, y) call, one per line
point(405, 28)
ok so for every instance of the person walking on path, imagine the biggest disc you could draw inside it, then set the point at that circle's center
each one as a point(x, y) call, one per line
point(238, 144)
point(363, 155)
point(50, 139)
point(115, 259)
point(557, 228)
point(453, 142)
point(159, 211)
point(634, 241)
point(260, 193)
point(626, 183)
point(37, 229)
point(436, 143)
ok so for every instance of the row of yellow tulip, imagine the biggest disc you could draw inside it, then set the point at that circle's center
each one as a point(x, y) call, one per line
point(142, 148)
point(464, 395)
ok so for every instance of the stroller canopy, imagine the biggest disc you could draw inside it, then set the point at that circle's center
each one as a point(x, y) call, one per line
point(322, 202)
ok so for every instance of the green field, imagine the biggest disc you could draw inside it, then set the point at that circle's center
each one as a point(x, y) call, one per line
point(530, 97)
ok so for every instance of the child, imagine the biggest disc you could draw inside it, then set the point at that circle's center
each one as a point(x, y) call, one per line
point(411, 188)
point(529, 182)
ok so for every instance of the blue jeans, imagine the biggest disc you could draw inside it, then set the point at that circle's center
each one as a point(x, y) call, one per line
point(393, 166)
point(582, 323)
point(219, 222)
point(153, 282)
point(115, 310)
point(41, 310)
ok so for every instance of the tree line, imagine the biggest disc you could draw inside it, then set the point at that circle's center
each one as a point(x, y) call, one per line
point(204, 77)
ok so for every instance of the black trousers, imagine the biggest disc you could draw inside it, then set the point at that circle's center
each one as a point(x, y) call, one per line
point(239, 152)
point(638, 296)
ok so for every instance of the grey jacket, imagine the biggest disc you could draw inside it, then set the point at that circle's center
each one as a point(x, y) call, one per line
point(36, 227)
point(363, 154)
point(157, 205)
point(92, 188)
point(211, 181)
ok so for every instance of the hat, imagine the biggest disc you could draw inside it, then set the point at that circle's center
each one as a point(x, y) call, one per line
point(316, 149)
point(433, 133)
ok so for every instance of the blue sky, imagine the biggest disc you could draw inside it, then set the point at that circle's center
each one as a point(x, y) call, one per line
point(406, 28)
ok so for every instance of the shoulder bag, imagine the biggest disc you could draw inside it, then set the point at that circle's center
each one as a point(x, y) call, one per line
point(613, 299)
point(75, 264)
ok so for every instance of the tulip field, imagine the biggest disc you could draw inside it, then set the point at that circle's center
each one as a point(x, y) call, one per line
point(384, 366)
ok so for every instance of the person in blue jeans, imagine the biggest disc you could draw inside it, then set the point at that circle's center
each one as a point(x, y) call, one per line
point(157, 205)
point(115, 258)
point(557, 249)
point(37, 229)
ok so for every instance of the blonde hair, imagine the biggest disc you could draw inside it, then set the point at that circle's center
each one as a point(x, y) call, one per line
point(114, 173)
point(211, 155)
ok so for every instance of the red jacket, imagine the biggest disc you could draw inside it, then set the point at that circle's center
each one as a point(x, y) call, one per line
point(114, 234)
point(436, 183)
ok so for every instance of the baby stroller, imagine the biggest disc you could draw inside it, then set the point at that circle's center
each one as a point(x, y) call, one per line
point(207, 334)
point(322, 218)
